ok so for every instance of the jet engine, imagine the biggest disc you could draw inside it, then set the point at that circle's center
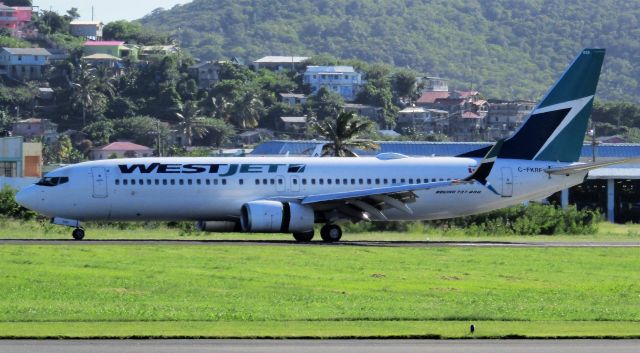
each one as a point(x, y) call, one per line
point(276, 217)
point(218, 226)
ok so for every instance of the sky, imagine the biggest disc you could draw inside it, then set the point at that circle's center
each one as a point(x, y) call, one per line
point(108, 10)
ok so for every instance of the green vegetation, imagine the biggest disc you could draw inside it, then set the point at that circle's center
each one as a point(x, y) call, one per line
point(214, 290)
point(507, 48)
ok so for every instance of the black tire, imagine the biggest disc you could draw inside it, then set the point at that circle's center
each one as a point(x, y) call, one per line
point(331, 233)
point(78, 234)
point(303, 237)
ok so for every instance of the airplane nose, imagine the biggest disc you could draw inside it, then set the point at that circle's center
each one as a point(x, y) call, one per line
point(25, 197)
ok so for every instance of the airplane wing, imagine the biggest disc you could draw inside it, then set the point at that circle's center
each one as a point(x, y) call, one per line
point(585, 167)
point(375, 200)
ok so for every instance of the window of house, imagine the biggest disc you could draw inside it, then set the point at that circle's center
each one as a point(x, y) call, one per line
point(9, 169)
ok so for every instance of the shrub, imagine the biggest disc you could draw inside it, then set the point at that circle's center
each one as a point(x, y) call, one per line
point(10, 208)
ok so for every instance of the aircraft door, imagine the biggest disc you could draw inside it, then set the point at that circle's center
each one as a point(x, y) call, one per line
point(99, 176)
point(279, 183)
point(507, 182)
point(295, 183)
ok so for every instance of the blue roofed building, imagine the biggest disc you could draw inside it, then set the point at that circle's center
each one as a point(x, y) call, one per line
point(344, 80)
point(613, 190)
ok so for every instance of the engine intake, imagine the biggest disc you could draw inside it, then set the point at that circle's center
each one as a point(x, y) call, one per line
point(276, 217)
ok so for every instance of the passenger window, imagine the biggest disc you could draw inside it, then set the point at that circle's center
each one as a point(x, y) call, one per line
point(215, 181)
point(417, 181)
point(181, 181)
point(321, 181)
point(313, 181)
point(224, 181)
point(124, 181)
point(368, 181)
point(117, 181)
point(164, 181)
point(353, 182)
point(441, 179)
point(157, 181)
point(393, 181)
point(198, 182)
point(141, 181)
point(433, 180)
point(240, 181)
point(386, 181)
point(264, 181)
point(410, 180)
point(133, 182)
point(189, 181)
point(328, 181)
point(272, 181)
point(402, 180)
point(207, 181)
point(345, 181)
point(148, 181)
point(377, 181)
point(295, 181)
point(280, 182)
point(173, 182)
point(257, 181)
point(304, 181)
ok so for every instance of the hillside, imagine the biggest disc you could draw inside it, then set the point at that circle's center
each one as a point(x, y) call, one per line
point(507, 48)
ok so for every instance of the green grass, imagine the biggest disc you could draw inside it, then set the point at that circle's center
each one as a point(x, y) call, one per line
point(302, 291)
point(12, 229)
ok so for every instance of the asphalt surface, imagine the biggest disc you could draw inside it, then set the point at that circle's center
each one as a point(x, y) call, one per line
point(317, 346)
point(409, 244)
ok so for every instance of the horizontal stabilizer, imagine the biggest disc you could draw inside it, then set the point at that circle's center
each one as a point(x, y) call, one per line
point(585, 167)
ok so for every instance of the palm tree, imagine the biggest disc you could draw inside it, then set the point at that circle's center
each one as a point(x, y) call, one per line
point(85, 89)
point(342, 134)
point(191, 124)
point(105, 78)
point(247, 111)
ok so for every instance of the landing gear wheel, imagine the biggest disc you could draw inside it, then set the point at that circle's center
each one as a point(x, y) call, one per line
point(303, 237)
point(331, 233)
point(78, 234)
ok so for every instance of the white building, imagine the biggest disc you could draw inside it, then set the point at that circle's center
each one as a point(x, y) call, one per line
point(343, 80)
point(87, 29)
point(279, 63)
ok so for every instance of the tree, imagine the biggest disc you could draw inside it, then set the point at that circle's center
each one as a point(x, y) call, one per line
point(405, 85)
point(219, 132)
point(343, 134)
point(85, 90)
point(190, 123)
point(247, 111)
point(325, 103)
point(144, 130)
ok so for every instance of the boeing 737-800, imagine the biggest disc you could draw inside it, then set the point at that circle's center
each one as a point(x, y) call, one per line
point(291, 194)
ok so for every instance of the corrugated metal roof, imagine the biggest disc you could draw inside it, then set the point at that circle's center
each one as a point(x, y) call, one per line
point(422, 148)
point(330, 69)
point(27, 51)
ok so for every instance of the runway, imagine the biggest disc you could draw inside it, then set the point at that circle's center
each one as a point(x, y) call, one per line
point(317, 346)
point(363, 243)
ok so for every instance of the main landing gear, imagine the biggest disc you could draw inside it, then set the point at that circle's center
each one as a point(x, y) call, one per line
point(330, 233)
point(78, 234)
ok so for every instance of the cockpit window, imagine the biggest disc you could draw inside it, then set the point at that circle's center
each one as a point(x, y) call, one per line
point(52, 181)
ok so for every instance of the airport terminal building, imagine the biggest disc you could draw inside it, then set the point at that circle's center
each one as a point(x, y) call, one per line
point(613, 190)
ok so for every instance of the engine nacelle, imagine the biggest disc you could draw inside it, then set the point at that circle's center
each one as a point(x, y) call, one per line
point(276, 217)
point(218, 226)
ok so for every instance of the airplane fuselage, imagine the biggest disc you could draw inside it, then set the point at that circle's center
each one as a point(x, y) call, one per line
point(212, 189)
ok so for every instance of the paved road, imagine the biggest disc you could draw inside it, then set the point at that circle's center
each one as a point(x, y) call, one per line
point(416, 244)
point(317, 346)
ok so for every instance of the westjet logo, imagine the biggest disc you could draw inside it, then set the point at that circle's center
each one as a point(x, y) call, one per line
point(220, 169)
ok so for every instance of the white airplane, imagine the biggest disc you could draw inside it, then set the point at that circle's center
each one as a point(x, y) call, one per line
point(291, 194)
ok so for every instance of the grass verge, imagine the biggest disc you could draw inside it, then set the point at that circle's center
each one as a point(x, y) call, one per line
point(301, 291)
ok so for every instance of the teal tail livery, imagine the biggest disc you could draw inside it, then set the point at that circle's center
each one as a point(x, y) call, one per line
point(555, 129)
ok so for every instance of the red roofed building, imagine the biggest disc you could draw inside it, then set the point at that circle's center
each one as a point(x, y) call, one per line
point(14, 18)
point(120, 149)
point(427, 99)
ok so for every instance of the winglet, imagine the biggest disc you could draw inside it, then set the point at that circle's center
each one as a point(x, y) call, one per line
point(484, 169)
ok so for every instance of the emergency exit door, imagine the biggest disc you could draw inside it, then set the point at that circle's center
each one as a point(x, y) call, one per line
point(99, 177)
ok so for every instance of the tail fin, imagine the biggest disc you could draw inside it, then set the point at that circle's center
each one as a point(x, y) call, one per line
point(555, 129)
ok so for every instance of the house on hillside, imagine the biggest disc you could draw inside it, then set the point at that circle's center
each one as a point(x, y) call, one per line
point(149, 52)
point(344, 80)
point(36, 127)
point(15, 19)
point(292, 124)
point(113, 48)
point(506, 116)
point(433, 84)
point(251, 137)
point(120, 149)
point(292, 98)
point(87, 29)
point(467, 115)
point(423, 120)
point(206, 73)
point(364, 110)
point(19, 159)
point(23, 63)
point(279, 63)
